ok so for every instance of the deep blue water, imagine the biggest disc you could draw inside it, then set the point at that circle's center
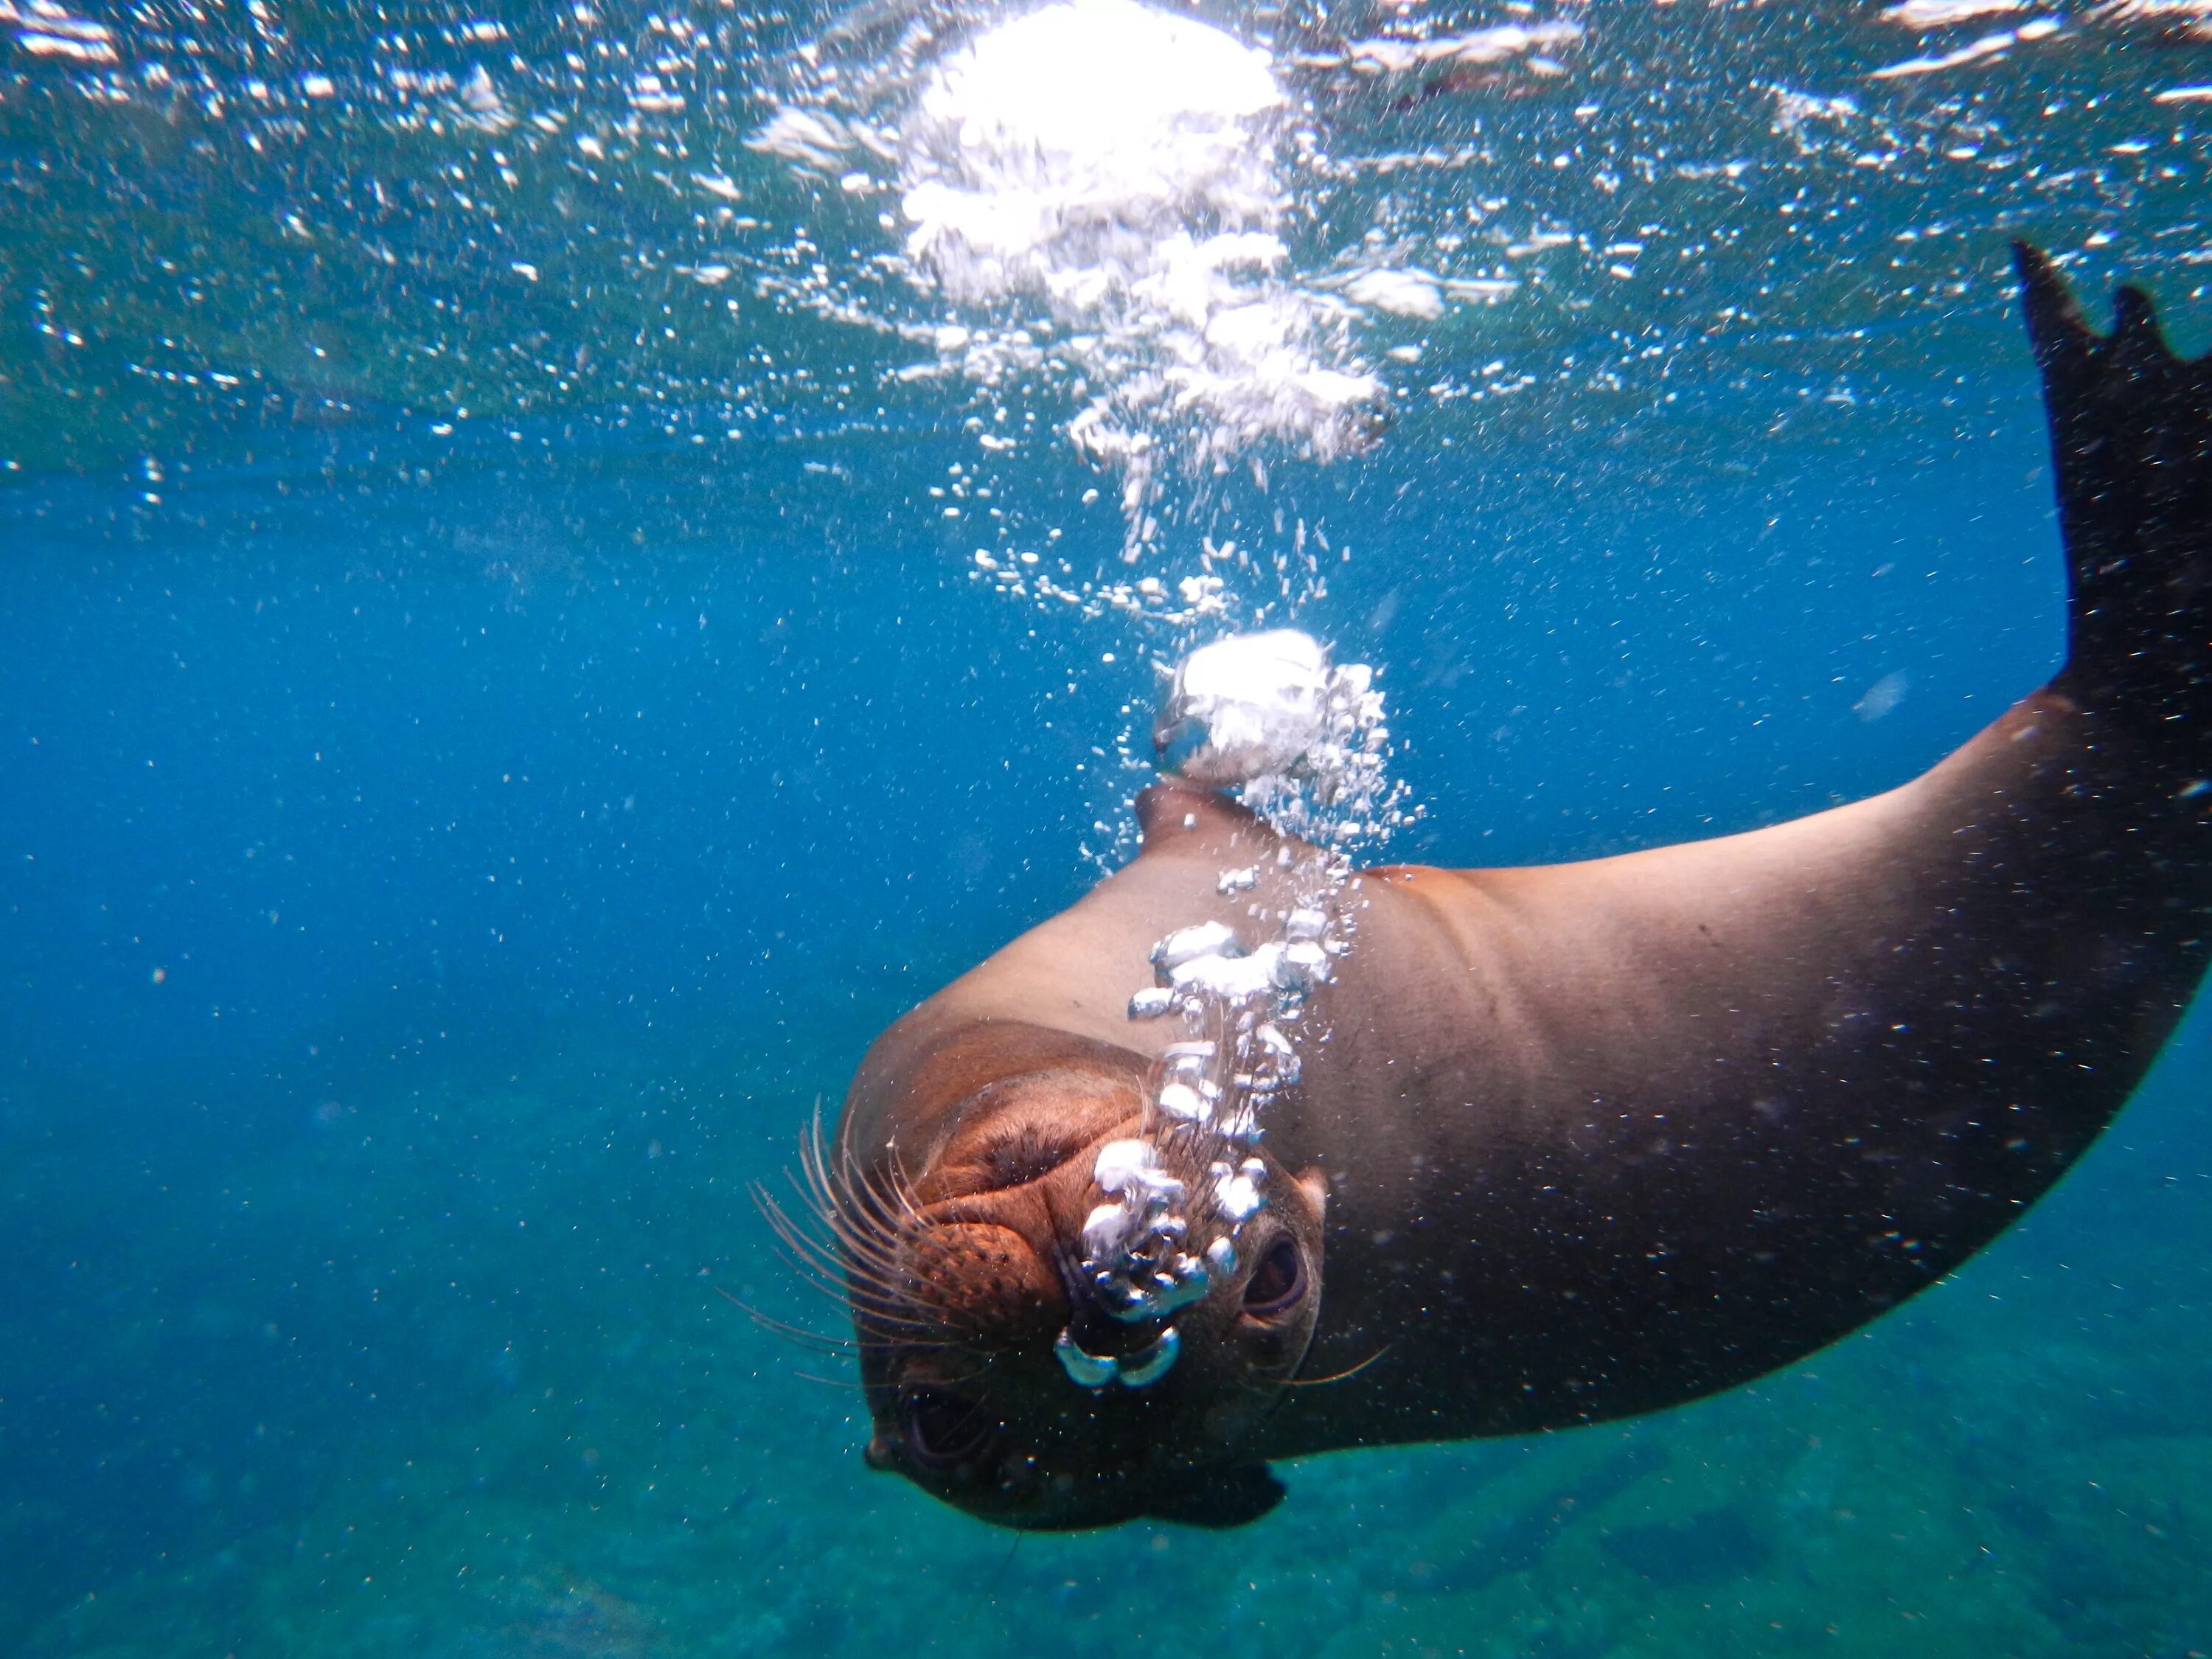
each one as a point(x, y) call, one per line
point(523, 851)
point(440, 871)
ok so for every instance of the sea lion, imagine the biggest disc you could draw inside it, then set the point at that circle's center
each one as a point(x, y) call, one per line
point(1581, 1141)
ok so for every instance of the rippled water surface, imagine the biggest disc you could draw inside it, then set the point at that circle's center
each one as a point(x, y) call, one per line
point(541, 612)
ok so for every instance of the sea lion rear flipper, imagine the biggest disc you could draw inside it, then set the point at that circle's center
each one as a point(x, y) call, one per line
point(1222, 1498)
point(2131, 445)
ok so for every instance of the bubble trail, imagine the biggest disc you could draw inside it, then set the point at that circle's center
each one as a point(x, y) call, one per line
point(1269, 715)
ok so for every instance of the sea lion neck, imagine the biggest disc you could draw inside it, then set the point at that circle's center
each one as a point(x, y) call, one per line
point(1175, 817)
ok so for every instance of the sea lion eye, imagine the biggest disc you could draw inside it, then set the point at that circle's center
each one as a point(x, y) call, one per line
point(943, 1431)
point(1277, 1282)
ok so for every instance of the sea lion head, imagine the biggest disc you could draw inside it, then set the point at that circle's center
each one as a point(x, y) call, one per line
point(963, 1256)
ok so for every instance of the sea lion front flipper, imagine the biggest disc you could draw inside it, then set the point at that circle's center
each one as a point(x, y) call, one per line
point(1229, 1497)
point(2131, 448)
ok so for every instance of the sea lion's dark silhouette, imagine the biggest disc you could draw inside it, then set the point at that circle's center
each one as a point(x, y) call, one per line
point(1590, 1140)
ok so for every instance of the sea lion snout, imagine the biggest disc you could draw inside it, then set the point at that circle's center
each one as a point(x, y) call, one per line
point(969, 1399)
point(998, 1205)
point(968, 1164)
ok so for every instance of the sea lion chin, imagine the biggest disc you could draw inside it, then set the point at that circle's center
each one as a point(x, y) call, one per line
point(1582, 1141)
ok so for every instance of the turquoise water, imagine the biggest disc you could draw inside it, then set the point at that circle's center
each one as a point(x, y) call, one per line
point(445, 857)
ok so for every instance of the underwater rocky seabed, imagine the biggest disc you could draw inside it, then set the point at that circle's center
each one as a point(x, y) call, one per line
point(376, 1310)
point(573, 1447)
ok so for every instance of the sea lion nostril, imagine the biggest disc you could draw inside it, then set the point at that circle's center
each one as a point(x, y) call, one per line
point(943, 1431)
point(1277, 1282)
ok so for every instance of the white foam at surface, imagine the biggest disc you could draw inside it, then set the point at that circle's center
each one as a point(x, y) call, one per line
point(2188, 19)
point(1988, 45)
point(809, 139)
point(1061, 144)
point(1498, 44)
point(45, 29)
point(1943, 14)
point(1401, 293)
point(1119, 163)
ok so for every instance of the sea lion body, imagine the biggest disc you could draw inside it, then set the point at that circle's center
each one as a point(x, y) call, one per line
point(1580, 1141)
point(1622, 1133)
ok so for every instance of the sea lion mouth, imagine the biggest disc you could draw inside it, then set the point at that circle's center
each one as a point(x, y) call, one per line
point(943, 1431)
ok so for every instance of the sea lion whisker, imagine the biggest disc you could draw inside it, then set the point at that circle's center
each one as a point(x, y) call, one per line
point(884, 1329)
point(822, 1199)
point(798, 1334)
point(866, 1238)
point(832, 1268)
point(1345, 1375)
point(991, 1589)
point(898, 1297)
point(890, 1275)
point(840, 1182)
point(844, 1254)
point(834, 1382)
point(822, 1278)
point(828, 1192)
point(865, 1261)
point(812, 1255)
point(816, 1278)
point(873, 1339)
point(856, 1288)
point(869, 1214)
point(905, 1343)
point(901, 1186)
point(897, 1302)
point(855, 1233)
point(848, 1203)
point(884, 1198)
point(960, 1379)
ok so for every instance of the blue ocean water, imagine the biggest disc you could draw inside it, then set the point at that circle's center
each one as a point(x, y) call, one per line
point(446, 859)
